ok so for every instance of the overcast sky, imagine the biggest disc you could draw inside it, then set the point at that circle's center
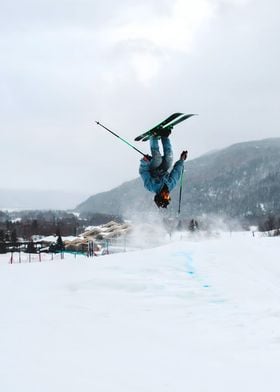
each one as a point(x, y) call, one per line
point(129, 64)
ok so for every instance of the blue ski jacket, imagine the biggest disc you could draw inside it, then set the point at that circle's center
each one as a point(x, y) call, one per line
point(155, 183)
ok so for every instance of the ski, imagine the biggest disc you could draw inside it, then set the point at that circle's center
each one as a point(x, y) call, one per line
point(183, 118)
point(164, 123)
point(167, 124)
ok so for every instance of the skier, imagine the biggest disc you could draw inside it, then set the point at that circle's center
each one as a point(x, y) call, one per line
point(154, 169)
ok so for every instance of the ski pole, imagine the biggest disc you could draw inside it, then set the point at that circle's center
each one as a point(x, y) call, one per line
point(180, 192)
point(125, 141)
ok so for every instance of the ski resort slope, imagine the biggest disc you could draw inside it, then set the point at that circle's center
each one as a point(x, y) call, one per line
point(196, 315)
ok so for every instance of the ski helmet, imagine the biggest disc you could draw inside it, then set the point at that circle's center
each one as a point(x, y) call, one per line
point(162, 199)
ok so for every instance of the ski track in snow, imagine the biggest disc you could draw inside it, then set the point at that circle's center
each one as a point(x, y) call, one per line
point(199, 278)
point(197, 315)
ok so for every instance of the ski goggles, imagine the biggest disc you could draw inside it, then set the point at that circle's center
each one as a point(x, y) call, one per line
point(165, 196)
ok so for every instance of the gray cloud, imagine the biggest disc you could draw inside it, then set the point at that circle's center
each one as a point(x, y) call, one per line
point(65, 64)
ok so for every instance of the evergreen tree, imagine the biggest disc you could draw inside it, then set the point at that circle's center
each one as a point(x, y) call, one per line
point(193, 225)
point(31, 247)
point(14, 236)
point(270, 223)
point(59, 244)
point(3, 248)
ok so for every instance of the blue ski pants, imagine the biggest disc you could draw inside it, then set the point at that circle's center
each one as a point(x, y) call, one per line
point(158, 162)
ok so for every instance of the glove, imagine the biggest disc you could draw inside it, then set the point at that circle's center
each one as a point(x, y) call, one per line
point(184, 155)
point(147, 158)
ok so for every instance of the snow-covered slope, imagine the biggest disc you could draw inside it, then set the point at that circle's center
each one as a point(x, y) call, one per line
point(197, 315)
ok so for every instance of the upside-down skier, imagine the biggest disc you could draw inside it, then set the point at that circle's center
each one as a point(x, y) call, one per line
point(154, 169)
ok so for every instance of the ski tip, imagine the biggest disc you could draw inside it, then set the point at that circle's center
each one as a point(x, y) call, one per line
point(97, 122)
point(192, 114)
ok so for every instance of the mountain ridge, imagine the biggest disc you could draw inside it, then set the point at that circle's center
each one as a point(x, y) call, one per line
point(240, 180)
